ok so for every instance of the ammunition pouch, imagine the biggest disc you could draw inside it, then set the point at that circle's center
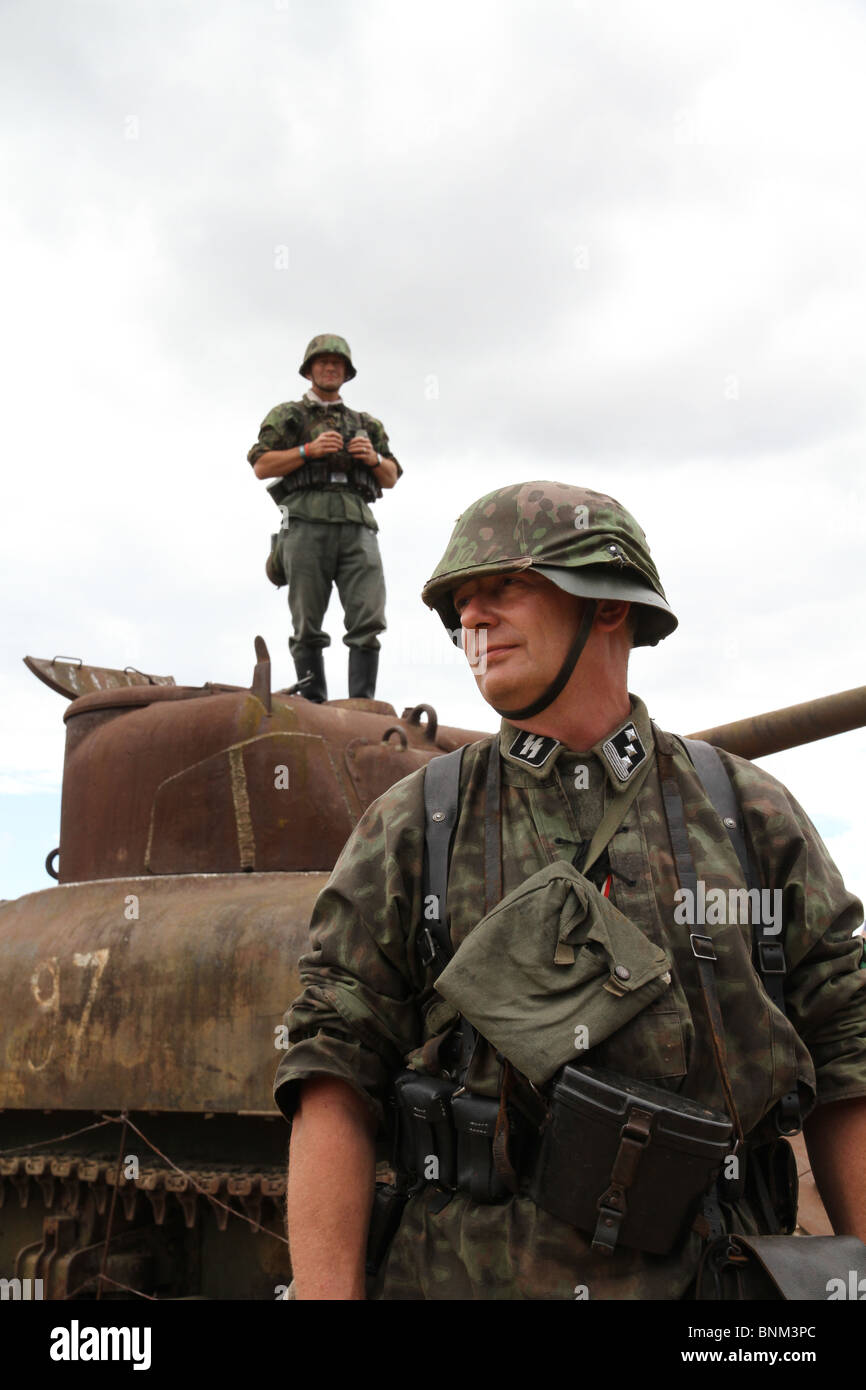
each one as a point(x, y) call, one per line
point(446, 1137)
point(426, 1139)
point(475, 1123)
point(332, 472)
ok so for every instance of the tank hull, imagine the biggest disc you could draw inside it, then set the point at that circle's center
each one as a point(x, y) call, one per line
point(94, 974)
point(159, 1000)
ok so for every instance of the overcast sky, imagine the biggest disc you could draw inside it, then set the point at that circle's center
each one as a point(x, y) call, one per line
point(605, 242)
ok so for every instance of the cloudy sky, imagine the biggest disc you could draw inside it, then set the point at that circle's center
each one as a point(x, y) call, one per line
point(607, 242)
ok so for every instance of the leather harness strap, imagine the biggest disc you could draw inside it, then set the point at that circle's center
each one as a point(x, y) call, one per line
point(701, 944)
point(493, 832)
point(441, 806)
point(769, 952)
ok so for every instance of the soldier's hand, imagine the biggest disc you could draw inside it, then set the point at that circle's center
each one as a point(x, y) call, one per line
point(330, 442)
point(362, 449)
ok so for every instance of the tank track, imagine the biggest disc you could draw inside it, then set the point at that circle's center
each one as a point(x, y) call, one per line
point(64, 1180)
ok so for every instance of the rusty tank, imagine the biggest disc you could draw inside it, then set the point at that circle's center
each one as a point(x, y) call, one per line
point(143, 995)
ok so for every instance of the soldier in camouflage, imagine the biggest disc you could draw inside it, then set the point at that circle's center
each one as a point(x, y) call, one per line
point(554, 585)
point(330, 463)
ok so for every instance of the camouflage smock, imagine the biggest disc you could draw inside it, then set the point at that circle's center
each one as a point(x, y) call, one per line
point(284, 428)
point(368, 1005)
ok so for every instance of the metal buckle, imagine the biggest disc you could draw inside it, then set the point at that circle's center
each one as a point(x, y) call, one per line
point(638, 1126)
point(771, 957)
point(610, 1218)
point(426, 948)
point(702, 946)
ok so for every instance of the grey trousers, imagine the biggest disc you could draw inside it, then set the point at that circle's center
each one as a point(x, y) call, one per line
point(318, 554)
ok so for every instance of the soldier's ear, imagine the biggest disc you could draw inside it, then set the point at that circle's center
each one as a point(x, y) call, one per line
point(611, 614)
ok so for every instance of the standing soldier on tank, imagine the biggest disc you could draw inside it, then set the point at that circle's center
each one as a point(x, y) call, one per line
point(330, 463)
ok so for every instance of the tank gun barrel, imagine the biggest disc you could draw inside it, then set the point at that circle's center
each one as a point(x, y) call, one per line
point(778, 729)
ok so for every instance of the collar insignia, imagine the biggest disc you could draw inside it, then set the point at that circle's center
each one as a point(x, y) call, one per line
point(624, 752)
point(533, 749)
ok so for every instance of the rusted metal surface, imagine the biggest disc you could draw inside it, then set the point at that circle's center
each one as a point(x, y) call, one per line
point(413, 717)
point(69, 676)
point(151, 994)
point(172, 780)
point(762, 734)
point(66, 1182)
point(215, 783)
point(261, 686)
point(65, 1263)
point(66, 1218)
point(168, 780)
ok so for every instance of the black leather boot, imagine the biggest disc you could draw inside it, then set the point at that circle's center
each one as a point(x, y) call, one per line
point(363, 666)
point(310, 661)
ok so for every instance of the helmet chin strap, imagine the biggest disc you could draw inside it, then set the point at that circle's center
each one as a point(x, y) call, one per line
point(560, 681)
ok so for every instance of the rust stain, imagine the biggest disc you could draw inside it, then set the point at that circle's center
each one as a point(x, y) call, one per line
point(241, 800)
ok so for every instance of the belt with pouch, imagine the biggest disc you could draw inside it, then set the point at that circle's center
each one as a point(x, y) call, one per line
point(625, 1162)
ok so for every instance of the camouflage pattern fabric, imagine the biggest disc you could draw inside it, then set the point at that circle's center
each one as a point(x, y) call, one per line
point(328, 342)
point(283, 428)
point(557, 943)
point(368, 1005)
point(554, 525)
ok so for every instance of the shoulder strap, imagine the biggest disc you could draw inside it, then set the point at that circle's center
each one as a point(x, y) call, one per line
point(493, 831)
point(769, 950)
point(441, 804)
point(720, 789)
point(701, 943)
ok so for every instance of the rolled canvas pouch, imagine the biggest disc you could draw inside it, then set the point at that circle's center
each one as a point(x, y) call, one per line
point(775, 1268)
point(553, 970)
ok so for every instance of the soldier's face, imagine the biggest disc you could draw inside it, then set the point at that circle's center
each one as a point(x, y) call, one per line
point(327, 371)
point(517, 629)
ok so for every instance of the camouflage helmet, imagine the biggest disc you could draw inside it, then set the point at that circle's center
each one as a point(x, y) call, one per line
point(584, 542)
point(327, 342)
